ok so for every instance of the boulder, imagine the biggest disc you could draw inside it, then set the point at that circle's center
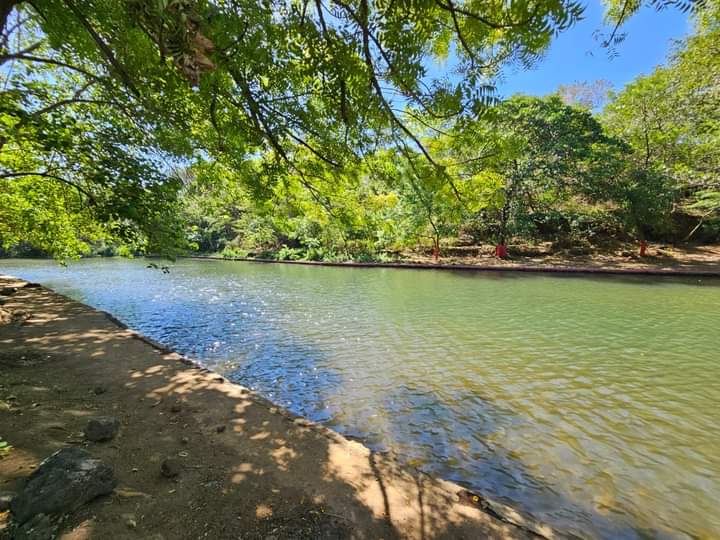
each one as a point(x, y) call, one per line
point(38, 528)
point(101, 428)
point(63, 482)
point(6, 498)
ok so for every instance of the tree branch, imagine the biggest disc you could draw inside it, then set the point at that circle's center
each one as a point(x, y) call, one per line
point(10, 175)
point(52, 61)
point(105, 49)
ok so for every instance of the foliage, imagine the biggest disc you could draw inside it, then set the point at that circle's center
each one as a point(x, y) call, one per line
point(317, 130)
point(671, 119)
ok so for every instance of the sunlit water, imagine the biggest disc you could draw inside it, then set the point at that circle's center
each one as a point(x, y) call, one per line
point(593, 404)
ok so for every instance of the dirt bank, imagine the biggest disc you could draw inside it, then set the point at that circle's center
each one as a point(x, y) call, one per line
point(659, 260)
point(246, 468)
point(624, 258)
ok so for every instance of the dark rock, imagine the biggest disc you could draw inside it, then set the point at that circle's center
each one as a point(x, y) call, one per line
point(62, 483)
point(8, 291)
point(102, 428)
point(31, 285)
point(6, 498)
point(176, 408)
point(170, 468)
point(221, 429)
point(99, 390)
point(38, 528)
point(20, 315)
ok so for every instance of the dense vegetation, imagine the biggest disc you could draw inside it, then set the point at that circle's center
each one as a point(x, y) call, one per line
point(314, 130)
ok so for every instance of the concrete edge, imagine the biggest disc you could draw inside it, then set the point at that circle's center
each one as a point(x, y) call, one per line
point(483, 268)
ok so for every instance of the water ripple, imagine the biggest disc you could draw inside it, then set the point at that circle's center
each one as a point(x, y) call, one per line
point(591, 403)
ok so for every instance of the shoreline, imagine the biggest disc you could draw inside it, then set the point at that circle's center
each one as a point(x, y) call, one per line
point(261, 467)
point(506, 267)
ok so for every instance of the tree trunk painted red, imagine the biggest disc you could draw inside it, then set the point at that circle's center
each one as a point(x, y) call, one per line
point(501, 251)
point(643, 247)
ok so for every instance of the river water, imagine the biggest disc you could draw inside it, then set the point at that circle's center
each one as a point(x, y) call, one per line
point(592, 403)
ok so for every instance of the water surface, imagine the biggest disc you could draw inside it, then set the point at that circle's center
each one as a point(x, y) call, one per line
point(592, 403)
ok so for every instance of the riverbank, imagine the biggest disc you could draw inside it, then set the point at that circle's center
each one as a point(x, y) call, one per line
point(246, 468)
point(702, 261)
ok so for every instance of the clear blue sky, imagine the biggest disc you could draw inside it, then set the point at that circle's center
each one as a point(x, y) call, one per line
point(577, 56)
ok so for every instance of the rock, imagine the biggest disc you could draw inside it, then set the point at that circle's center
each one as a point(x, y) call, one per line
point(63, 482)
point(99, 390)
point(8, 291)
point(38, 528)
point(176, 408)
point(221, 429)
point(20, 315)
point(6, 498)
point(32, 285)
point(102, 428)
point(170, 468)
point(16, 316)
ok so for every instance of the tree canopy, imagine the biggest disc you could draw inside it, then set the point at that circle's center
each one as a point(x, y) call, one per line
point(146, 123)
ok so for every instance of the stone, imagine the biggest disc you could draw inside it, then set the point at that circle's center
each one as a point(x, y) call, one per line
point(221, 429)
point(38, 528)
point(170, 468)
point(63, 482)
point(176, 408)
point(99, 390)
point(8, 291)
point(102, 428)
point(6, 498)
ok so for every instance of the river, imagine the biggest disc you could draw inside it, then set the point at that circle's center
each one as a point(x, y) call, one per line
point(592, 403)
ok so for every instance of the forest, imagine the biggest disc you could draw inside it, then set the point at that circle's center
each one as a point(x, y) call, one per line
point(317, 130)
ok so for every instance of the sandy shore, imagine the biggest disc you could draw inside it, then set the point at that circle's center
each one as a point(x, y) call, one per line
point(247, 468)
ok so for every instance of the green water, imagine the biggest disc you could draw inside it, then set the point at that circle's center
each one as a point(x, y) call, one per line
point(592, 403)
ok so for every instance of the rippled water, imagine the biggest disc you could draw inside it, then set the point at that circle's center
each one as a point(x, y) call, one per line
point(594, 404)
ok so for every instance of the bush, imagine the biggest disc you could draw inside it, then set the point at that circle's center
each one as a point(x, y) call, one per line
point(234, 253)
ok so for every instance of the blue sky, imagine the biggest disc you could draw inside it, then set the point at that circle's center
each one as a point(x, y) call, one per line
point(577, 56)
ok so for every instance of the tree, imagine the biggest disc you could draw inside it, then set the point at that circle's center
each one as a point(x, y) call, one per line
point(242, 81)
point(545, 152)
point(671, 119)
point(591, 96)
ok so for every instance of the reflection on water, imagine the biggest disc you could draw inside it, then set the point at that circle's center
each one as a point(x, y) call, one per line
point(592, 403)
